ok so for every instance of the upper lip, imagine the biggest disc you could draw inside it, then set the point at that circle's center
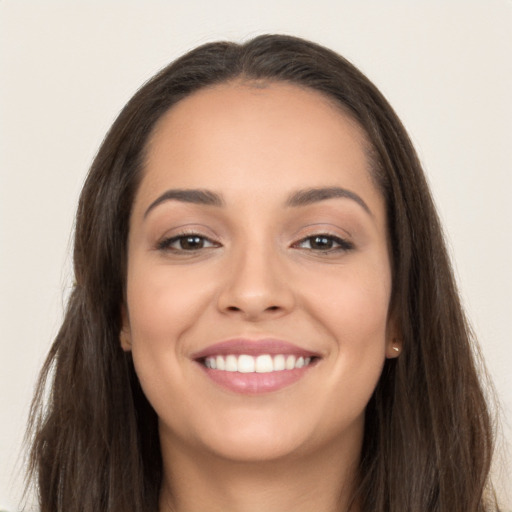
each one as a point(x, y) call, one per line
point(238, 346)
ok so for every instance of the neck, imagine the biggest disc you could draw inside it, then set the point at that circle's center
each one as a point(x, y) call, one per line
point(324, 481)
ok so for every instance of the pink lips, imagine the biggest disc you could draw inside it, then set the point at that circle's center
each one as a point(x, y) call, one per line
point(253, 348)
point(254, 383)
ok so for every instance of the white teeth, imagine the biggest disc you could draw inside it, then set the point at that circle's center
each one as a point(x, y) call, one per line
point(231, 364)
point(246, 364)
point(263, 363)
point(279, 363)
point(221, 364)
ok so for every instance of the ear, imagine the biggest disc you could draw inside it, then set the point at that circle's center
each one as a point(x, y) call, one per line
point(125, 336)
point(393, 348)
point(393, 339)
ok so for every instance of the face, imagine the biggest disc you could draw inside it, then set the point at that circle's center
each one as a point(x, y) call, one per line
point(259, 278)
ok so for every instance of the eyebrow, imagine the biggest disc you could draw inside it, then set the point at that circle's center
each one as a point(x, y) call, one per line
point(315, 195)
point(194, 196)
point(296, 199)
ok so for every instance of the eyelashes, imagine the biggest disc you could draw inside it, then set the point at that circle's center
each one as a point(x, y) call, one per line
point(324, 243)
point(194, 243)
point(186, 242)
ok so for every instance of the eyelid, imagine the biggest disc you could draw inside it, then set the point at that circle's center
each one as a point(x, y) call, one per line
point(342, 244)
point(166, 241)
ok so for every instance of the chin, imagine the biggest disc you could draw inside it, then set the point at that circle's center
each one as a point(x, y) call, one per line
point(253, 438)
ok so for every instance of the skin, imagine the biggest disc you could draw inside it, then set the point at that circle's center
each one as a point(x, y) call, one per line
point(259, 274)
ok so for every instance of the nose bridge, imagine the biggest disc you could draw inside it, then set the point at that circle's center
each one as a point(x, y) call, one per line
point(255, 283)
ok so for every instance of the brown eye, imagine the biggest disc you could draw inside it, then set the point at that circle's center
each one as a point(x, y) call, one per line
point(191, 243)
point(186, 243)
point(324, 243)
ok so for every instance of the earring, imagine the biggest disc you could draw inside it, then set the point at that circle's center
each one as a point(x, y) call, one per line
point(396, 349)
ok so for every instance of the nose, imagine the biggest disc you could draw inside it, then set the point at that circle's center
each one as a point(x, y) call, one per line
point(256, 286)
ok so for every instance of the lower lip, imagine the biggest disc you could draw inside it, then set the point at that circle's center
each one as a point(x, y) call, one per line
point(255, 383)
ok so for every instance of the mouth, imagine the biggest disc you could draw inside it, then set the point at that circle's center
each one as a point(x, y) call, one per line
point(255, 366)
point(264, 363)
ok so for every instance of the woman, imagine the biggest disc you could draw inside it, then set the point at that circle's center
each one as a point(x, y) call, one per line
point(264, 315)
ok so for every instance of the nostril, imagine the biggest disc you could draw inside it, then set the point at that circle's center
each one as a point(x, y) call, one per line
point(236, 309)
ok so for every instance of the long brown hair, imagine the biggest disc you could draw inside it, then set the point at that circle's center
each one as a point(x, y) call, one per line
point(428, 433)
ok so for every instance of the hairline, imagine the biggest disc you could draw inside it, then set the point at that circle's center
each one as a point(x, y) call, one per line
point(374, 166)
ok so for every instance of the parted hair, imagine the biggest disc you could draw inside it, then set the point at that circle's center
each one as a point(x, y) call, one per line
point(428, 437)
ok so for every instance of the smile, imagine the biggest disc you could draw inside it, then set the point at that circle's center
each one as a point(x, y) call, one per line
point(252, 367)
point(264, 363)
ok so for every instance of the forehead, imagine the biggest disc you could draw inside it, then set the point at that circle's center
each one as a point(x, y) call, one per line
point(231, 104)
point(251, 136)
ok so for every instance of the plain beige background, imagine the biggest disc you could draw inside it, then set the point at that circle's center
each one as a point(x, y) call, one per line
point(66, 69)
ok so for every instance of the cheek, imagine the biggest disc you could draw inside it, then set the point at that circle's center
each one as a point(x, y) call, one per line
point(358, 322)
point(163, 306)
point(352, 309)
point(163, 303)
point(351, 302)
